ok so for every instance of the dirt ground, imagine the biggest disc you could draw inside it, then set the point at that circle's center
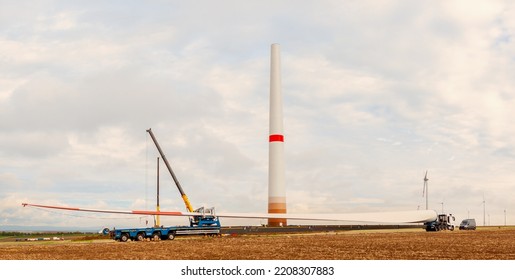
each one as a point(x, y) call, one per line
point(408, 244)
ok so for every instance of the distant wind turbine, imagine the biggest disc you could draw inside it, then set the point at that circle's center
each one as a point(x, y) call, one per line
point(425, 190)
point(484, 210)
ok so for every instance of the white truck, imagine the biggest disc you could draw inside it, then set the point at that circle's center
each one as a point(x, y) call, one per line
point(442, 222)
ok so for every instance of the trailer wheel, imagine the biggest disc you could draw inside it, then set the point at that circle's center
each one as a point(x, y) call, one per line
point(171, 235)
point(124, 237)
point(140, 237)
point(156, 236)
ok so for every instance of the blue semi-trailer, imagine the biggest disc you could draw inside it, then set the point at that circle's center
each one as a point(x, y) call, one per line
point(201, 225)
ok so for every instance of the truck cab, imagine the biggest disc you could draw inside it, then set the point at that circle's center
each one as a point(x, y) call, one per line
point(442, 222)
point(450, 222)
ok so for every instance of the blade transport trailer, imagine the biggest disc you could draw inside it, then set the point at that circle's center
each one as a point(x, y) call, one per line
point(207, 224)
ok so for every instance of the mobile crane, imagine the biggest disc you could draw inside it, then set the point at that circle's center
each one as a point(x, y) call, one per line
point(206, 224)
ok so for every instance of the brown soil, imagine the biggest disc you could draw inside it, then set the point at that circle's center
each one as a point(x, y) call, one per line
point(484, 244)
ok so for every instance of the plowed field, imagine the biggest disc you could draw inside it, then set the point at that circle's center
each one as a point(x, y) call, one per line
point(412, 244)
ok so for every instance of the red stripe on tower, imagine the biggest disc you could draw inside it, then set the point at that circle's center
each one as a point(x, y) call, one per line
point(276, 138)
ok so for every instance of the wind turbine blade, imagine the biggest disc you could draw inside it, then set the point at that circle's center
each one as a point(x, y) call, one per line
point(379, 217)
point(418, 216)
point(132, 212)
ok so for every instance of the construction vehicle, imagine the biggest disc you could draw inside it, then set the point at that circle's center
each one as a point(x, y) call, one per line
point(442, 222)
point(205, 224)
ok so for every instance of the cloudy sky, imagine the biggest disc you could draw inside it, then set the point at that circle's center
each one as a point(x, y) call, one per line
point(375, 94)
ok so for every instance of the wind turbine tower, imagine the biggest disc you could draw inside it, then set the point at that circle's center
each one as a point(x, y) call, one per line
point(425, 190)
point(276, 171)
